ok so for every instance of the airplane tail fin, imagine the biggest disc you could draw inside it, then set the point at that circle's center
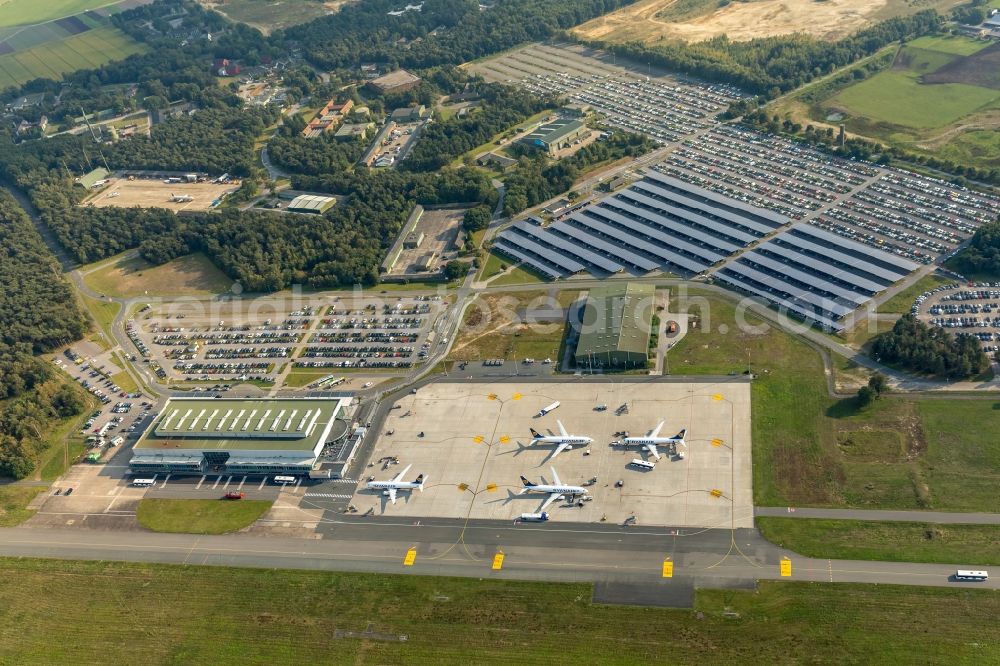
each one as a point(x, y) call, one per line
point(527, 484)
point(681, 434)
point(420, 481)
point(534, 434)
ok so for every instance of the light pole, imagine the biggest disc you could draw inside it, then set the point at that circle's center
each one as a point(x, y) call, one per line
point(749, 371)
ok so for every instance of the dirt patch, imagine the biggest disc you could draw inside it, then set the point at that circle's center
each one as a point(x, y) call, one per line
point(980, 69)
point(831, 19)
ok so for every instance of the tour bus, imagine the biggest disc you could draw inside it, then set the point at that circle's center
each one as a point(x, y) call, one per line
point(642, 464)
point(284, 479)
point(143, 483)
point(963, 574)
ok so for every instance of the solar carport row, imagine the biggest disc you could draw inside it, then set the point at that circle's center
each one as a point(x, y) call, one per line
point(782, 301)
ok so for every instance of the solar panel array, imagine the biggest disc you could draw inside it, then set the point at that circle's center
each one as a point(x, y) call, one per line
point(658, 223)
point(815, 274)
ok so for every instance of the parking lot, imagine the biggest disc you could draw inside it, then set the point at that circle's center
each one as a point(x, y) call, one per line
point(254, 340)
point(472, 442)
point(964, 308)
point(121, 416)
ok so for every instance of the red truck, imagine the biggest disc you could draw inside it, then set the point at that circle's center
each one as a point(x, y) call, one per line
point(234, 496)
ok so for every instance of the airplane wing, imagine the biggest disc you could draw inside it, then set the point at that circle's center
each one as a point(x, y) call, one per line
point(555, 477)
point(653, 450)
point(559, 449)
point(655, 432)
point(399, 476)
point(562, 430)
point(392, 495)
point(549, 500)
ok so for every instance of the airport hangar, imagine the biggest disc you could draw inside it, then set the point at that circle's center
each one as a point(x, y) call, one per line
point(236, 436)
point(616, 327)
point(471, 441)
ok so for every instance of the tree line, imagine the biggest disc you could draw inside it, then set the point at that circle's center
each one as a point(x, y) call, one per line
point(915, 346)
point(37, 314)
point(982, 255)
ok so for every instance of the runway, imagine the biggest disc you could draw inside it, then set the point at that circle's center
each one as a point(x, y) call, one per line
point(581, 553)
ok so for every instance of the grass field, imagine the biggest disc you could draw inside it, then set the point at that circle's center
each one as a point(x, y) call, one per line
point(13, 500)
point(213, 615)
point(191, 275)
point(213, 516)
point(495, 265)
point(896, 98)
point(268, 15)
point(104, 313)
point(890, 541)
point(53, 59)
point(27, 12)
point(949, 44)
point(811, 449)
point(903, 301)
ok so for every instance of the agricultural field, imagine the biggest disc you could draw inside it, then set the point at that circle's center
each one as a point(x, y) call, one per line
point(29, 12)
point(191, 275)
point(814, 450)
point(52, 59)
point(164, 609)
point(699, 20)
point(940, 95)
point(268, 15)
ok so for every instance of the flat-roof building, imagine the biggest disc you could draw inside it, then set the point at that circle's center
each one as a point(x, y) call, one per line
point(616, 325)
point(311, 203)
point(558, 134)
point(237, 436)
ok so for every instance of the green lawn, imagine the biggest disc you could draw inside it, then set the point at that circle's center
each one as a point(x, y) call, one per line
point(202, 615)
point(891, 541)
point(27, 12)
point(13, 500)
point(810, 449)
point(956, 45)
point(892, 97)
point(301, 377)
point(214, 516)
point(190, 275)
point(103, 312)
point(903, 301)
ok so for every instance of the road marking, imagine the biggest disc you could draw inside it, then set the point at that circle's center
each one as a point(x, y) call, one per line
point(411, 555)
point(668, 568)
point(217, 479)
point(830, 565)
point(242, 481)
point(333, 495)
point(344, 480)
point(498, 561)
point(227, 482)
point(262, 481)
point(786, 567)
point(198, 487)
point(165, 479)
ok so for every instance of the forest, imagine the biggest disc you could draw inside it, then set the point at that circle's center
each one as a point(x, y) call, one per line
point(37, 314)
point(917, 347)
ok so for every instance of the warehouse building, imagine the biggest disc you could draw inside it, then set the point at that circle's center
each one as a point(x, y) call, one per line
point(556, 135)
point(237, 436)
point(311, 204)
point(615, 328)
point(394, 82)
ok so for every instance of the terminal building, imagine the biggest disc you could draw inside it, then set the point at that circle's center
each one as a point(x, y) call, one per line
point(238, 436)
point(615, 328)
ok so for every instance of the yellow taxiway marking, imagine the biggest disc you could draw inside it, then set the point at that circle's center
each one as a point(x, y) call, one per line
point(668, 568)
point(786, 567)
point(492, 396)
point(462, 487)
point(716, 492)
point(716, 442)
point(411, 556)
point(492, 487)
point(504, 439)
point(498, 561)
point(516, 396)
point(717, 397)
point(478, 439)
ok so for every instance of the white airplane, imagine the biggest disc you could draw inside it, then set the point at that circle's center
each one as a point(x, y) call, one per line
point(396, 483)
point(181, 198)
point(653, 439)
point(556, 490)
point(563, 439)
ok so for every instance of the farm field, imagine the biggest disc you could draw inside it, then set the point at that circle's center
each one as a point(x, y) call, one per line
point(814, 450)
point(53, 59)
point(191, 275)
point(269, 15)
point(699, 20)
point(164, 608)
point(28, 12)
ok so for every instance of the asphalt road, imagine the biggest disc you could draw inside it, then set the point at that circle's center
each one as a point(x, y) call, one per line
point(599, 554)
